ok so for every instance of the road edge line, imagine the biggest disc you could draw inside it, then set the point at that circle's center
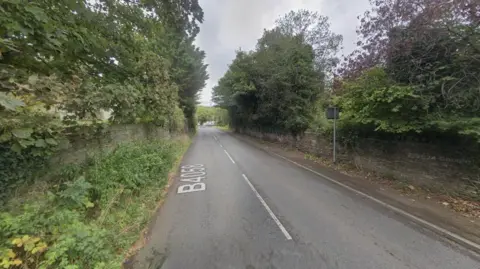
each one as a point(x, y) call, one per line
point(430, 225)
point(270, 212)
point(458, 239)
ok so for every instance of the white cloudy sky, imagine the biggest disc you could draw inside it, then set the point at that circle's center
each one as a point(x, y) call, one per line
point(232, 24)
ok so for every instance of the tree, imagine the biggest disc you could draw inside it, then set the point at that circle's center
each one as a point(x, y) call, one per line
point(415, 21)
point(136, 59)
point(191, 75)
point(313, 29)
point(205, 113)
point(63, 62)
point(443, 67)
point(215, 114)
point(374, 99)
point(428, 46)
point(275, 86)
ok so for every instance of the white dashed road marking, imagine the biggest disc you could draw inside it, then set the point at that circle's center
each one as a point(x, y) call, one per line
point(277, 221)
point(230, 157)
point(270, 212)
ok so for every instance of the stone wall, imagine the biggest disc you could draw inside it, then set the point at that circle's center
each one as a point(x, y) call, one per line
point(426, 164)
point(422, 163)
point(103, 140)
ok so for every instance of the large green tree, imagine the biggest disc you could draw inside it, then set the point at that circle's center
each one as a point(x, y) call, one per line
point(275, 86)
point(313, 29)
point(135, 59)
point(68, 62)
point(190, 75)
point(430, 50)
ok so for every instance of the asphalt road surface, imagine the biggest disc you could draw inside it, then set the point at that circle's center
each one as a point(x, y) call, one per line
point(235, 206)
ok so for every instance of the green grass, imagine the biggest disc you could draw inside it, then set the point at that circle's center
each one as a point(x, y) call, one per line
point(224, 128)
point(89, 215)
point(139, 175)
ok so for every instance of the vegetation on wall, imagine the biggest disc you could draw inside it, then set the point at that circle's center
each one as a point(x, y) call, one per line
point(66, 63)
point(90, 214)
point(68, 68)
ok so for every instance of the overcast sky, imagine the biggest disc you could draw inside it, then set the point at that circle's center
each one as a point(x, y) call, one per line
point(232, 24)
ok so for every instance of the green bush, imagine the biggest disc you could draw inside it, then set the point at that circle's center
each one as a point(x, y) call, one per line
point(17, 169)
point(375, 99)
point(177, 124)
point(91, 217)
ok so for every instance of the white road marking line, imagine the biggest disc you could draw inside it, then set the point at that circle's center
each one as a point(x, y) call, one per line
point(398, 210)
point(221, 145)
point(229, 156)
point(277, 221)
point(215, 138)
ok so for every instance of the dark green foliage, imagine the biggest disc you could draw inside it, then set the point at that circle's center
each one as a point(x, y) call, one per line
point(191, 78)
point(15, 170)
point(374, 99)
point(131, 166)
point(63, 65)
point(445, 68)
point(416, 70)
point(66, 63)
point(75, 194)
point(276, 86)
point(81, 58)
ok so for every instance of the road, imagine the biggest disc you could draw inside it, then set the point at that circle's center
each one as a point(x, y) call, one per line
point(251, 210)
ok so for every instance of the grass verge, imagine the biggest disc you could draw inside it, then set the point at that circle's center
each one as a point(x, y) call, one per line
point(224, 128)
point(156, 198)
point(89, 215)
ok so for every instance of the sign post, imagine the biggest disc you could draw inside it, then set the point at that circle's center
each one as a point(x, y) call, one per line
point(334, 137)
point(333, 113)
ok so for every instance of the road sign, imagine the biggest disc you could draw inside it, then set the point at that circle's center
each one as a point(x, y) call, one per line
point(332, 113)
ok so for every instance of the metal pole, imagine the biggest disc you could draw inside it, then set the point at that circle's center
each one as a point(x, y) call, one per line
point(334, 133)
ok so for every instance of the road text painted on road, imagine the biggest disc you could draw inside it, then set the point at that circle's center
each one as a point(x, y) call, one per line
point(194, 173)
